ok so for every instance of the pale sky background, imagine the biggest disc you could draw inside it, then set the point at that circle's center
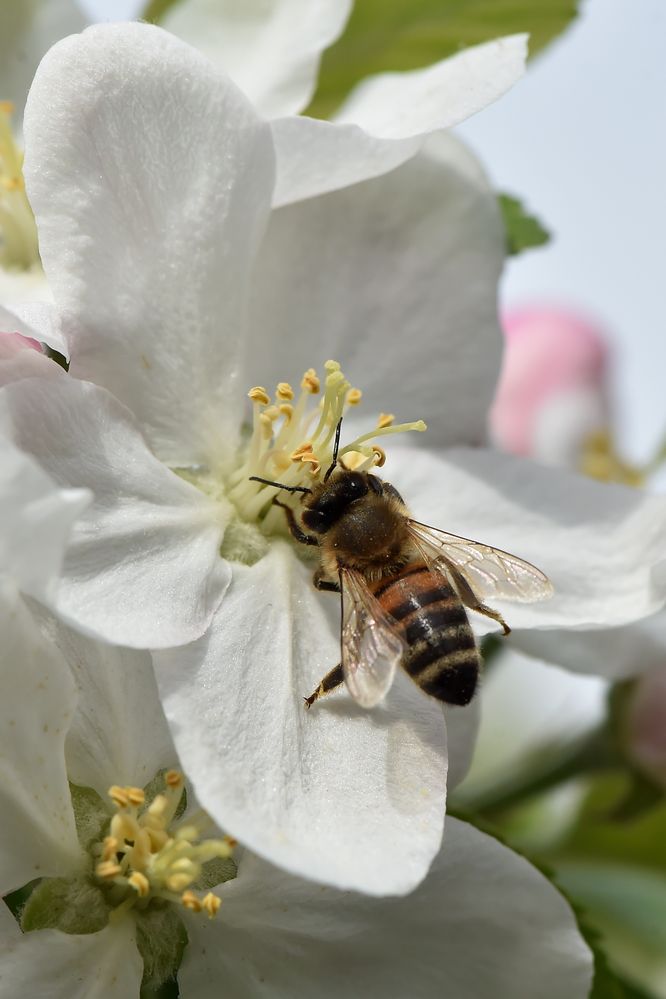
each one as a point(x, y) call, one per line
point(582, 140)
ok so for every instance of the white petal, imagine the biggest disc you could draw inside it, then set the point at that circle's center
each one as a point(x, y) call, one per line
point(462, 728)
point(531, 712)
point(150, 176)
point(38, 831)
point(118, 734)
point(339, 794)
point(484, 923)
point(603, 546)
point(21, 336)
point(36, 319)
point(27, 30)
point(397, 279)
point(270, 49)
point(52, 965)
point(143, 567)
point(36, 519)
point(619, 652)
point(387, 118)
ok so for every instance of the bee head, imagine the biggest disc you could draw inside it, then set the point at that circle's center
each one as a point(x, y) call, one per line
point(331, 501)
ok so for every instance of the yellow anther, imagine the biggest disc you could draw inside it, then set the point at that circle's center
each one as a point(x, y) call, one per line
point(380, 455)
point(110, 846)
point(140, 883)
point(191, 901)
point(310, 381)
point(332, 366)
point(259, 394)
point(385, 420)
point(107, 869)
point(135, 795)
point(272, 413)
point(119, 796)
point(286, 410)
point(285, 391)
point(304, 449)
point(230, 841)
point(211, 903)
point(12, 183)
point(354, 397)
point(178, 882)
point(7, 107)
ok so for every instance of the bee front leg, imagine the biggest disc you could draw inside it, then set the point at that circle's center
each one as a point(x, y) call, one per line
point(295, 528)
point(330, 682)
point(469, 598)
point(321, 583)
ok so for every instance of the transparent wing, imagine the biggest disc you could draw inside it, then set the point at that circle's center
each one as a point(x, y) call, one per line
point(490, 572)
point(371, 648)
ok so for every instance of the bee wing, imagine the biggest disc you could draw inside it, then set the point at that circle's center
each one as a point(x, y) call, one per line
point(490, 572)
point(371, 648)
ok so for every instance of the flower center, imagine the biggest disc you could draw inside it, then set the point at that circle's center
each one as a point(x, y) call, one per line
point(293, 440)
point(18, 232)
point(149, 855)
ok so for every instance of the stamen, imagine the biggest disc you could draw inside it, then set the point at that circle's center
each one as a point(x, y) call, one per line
point(385, 420)
point(354, 397)
point(285, 392)
point(310, 381)
point(152, 856)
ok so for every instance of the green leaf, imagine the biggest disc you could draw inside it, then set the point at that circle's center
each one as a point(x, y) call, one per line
point(155, 10)
point(523, 231)
point(408, 34)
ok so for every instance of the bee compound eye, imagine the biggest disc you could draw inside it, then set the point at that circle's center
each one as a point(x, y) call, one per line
point(316, 520)
point(375, 484)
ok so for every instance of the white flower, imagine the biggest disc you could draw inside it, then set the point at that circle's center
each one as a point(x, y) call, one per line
point(151, 179)
point(483, 923)
point(272, 51)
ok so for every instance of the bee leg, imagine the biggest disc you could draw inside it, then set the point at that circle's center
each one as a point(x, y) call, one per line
point(469, 598)
point(320, 583)
point(295, 528)
point(330, 682)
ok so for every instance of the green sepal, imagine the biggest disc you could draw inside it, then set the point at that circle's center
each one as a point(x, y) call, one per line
point(215, 872)
point(523, 231)
point(91, 814)
point(72, 905)
point(161, 938)
point(410, 34)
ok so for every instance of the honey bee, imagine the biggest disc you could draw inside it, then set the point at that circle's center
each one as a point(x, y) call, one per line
point(404, 587)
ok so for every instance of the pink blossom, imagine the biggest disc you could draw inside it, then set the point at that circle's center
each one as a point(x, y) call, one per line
point(551, 392)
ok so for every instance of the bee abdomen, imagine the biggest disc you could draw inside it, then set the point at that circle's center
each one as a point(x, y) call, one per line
point(441, 656)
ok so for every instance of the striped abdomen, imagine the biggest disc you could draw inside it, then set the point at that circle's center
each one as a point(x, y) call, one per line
point(441, 657)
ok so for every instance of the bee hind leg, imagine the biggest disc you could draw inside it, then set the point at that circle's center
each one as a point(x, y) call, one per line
point(332, 680)
point(469, 598)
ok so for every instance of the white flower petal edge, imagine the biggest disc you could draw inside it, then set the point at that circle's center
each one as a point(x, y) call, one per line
point(337, 794)
point(603, 546)
point(118, 734)
point(484, 923)
point(270, 49)
point(52, 965)
point(38, 831)
point(34, 319)
point(132, 134)
point(389, 275)
point(27, 30)
point(387, 118)
point(36, 520)
point(143, 567)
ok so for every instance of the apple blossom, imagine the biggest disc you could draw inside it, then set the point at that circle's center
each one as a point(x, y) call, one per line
point(125, 884)
point(151, 178)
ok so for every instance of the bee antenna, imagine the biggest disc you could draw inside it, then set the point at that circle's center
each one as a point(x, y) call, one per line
point(336, 448)
point(280, 485)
